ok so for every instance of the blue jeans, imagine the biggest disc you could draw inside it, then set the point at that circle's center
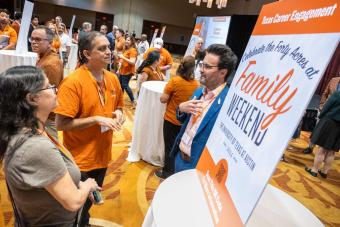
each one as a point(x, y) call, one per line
point(124, 83)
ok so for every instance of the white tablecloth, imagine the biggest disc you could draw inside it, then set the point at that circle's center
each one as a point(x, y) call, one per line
point(179, 201)
point(9, 58)
point(147, 138)
point(72, 58)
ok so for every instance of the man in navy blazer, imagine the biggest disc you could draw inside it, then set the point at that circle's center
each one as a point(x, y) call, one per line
point(199, 114)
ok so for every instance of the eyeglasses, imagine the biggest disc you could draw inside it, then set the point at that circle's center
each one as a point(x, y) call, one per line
point(52, 87)
point(206, 66)
point(34, 39)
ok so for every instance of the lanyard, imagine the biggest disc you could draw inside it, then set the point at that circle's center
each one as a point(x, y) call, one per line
point(60, 147)
point(101, 86)
point(101, 91)
point(157, 73)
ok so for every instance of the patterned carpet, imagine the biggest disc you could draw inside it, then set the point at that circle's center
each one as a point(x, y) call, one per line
point(129, 187)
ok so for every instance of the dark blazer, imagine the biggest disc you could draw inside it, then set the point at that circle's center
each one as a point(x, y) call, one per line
point(202, 134)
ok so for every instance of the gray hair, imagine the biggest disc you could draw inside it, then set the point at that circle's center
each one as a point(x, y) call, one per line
point(49, 32)
point(86, 25)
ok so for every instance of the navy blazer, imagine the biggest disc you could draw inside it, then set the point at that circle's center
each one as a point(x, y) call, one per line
point(202, 134)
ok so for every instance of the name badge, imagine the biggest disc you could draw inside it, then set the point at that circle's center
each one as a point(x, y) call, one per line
point(104, 129)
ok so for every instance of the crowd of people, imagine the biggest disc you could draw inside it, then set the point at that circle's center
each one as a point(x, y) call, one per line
point(51, 183)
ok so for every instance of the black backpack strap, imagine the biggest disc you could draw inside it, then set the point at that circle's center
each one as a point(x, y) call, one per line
point(18, 218)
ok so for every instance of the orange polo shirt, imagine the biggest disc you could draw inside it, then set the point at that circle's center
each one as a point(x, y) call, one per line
point(10, 33)
point(179, 90)
point(165, 59)
point(153, 74)
point(78, 97)
point(127, 68)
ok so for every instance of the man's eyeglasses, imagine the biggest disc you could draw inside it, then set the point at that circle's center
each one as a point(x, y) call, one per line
point(52, 87)
point(37, 40)
point(206, 66)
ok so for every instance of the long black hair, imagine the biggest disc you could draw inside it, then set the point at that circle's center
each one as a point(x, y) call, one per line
point(152, 57)
point(16, 113)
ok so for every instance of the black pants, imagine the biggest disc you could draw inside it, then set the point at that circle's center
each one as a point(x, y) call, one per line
point(98, 175)
point(170, 132)
point(124, 83)
point(64, 56)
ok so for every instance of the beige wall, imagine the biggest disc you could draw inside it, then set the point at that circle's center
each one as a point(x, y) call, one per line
point(48, 11)
point(129, 14)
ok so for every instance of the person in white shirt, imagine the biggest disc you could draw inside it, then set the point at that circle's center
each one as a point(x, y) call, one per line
point(143, 45)
point(199, 55)
point(65, 43)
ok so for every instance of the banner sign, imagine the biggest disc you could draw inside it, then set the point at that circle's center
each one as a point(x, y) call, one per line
point(21, 46)
point(211, 29)
point(286, 56)
point(71, 27)
point(162, 32)
point(154, 37)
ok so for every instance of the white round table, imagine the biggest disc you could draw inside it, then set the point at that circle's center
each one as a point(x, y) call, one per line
point(147, 137)
point(179, 201)
point(10, 58)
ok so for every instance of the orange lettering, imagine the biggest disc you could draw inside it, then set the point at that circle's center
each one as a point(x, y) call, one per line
point(265, 91)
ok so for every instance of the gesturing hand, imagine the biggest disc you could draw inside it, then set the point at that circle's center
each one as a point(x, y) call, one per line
point(119, 116)
point(193, 106)
point(112, 124)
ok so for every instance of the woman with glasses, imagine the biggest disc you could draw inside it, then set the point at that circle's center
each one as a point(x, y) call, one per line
point(42, 178)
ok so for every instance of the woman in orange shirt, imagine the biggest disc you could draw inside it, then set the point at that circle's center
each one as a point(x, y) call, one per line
point(56, 40)
point(127, 68)
point(149, 69)
point(179, 89)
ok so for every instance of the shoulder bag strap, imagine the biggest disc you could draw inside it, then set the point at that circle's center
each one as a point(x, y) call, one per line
point(18, 218)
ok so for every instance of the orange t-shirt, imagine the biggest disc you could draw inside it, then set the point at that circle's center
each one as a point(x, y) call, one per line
point(78, 97)
point(179, 90)
point(153, 74)
point(127, 68)
point(165, 59)
point(52, 66)
point(11, 34)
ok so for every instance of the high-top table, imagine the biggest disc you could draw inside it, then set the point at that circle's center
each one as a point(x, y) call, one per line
point(147, 138)
point(10, 58)
point(179, 201)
